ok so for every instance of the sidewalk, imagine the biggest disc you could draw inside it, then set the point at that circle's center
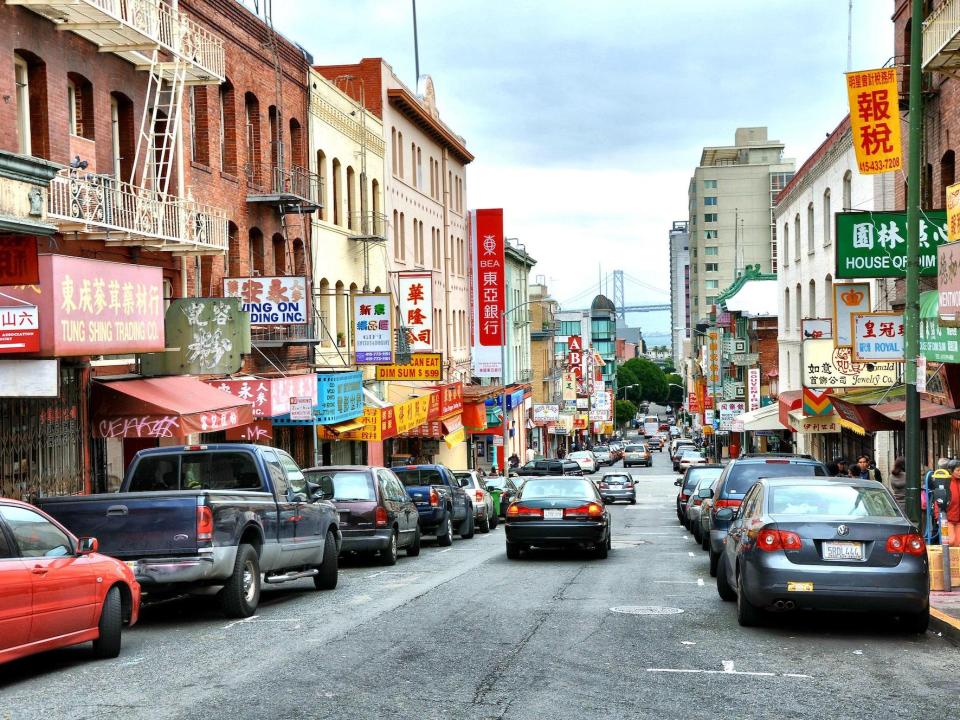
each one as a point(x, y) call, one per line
point(945, 613)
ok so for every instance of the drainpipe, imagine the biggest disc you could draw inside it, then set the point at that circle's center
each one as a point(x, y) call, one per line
point(448, 327)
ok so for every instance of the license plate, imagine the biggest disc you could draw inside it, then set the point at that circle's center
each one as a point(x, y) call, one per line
point(553, 514)
point(799, 587)
point(842, 551)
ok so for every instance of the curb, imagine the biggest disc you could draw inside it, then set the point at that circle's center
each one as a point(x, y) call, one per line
point(946, 624)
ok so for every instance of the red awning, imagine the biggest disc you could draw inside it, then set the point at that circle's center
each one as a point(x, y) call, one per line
point(789, 400)
point(898, 408)
point(174, 406)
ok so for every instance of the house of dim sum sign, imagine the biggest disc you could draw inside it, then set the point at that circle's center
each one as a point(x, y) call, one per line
point(874, 244)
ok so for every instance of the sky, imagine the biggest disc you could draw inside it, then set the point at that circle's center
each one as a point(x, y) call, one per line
point(587, 118)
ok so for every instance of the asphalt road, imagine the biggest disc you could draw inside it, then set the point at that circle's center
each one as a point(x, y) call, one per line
point(464, 633)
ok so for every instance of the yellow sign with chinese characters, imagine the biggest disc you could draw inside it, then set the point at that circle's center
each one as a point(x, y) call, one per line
point(875, 120)
point(953, 212)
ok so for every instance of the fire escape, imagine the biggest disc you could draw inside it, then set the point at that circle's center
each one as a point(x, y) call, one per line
point(144, 210)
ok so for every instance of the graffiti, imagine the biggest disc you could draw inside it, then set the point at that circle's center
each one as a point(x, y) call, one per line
point(208, 348)
point(147, 426)
point(218, 420)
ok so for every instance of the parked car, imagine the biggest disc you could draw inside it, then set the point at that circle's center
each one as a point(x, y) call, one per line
point(542, 468)
point(484, 511)
point(376, 514)
point(507, 487)
point(558, 512)
point(57, 590)
point(738, 477)
point(616, 449)
point(585, 459)
point(695, 504)
point(442, 504)
point(603, 455)
point(690, 457)
point(618, 486)
point(823, 544)
point(676, 448)
point(655, 442)
point(688, 484)
point(637, 454)
point(194, 516)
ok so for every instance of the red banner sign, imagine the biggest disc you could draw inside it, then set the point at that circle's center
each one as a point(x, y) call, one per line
point(18, 260)
point(271, 396)
point(489, 281)
point(19, 329)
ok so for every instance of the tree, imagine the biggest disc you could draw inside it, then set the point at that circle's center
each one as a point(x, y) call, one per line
point(676, 393)
point(651, 377)
point(626, 378)
point(626, 412)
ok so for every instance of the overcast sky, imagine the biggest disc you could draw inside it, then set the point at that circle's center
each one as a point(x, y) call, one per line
point(587, 118)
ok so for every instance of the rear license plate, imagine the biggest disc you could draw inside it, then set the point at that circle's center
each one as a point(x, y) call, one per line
point(552, 514)
point(842, 551)
point(799, 587)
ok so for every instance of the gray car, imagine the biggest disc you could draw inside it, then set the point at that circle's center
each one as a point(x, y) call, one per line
point(700, 492)
point(484, 510)
point(823, 544)
point(618, 486)
point(603, 455)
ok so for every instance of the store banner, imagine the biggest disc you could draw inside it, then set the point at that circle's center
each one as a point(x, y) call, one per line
point(848, 298)
point(753, 389)
point(569, 390)
point(416, 308)
point(874, 244)
point(270, 300)
point(714, 343)
point(820, 425)
point(948, 284)
point(728, 410)
point(953, 212)
point(449, 401)
point(826, 366)
point(546, 413)
point(488, 287)
point(875, 120)
point(339, 397)
point(878, 337)
point(19, 262)
point(422, 366)
point(373, 329)
point(210, 336)
point(270, 397)
point(19, 329)
point(29, 378)
point(938, 343)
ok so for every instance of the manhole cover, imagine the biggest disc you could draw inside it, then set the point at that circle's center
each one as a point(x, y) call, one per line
point(645, 610)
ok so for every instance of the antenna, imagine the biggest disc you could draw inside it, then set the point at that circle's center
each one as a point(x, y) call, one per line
point(849, 36)
point(416, 46)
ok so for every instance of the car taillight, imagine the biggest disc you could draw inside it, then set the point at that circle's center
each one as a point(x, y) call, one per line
point(910, 544)
point(588, 510)
point(479, 495)
point(434, 497)
point(204, 523)
point(603, 486)
point(697, 500)
point(730, 503)
point(380, 517)
point(628, 483)
point(518, 510)
point(770, 539)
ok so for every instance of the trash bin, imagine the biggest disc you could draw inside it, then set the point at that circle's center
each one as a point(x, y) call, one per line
point(495, 494)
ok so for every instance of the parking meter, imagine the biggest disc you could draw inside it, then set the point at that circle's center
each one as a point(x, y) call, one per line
point(940, 494)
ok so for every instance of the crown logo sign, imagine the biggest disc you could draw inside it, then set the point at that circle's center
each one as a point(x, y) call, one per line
point(852, 298)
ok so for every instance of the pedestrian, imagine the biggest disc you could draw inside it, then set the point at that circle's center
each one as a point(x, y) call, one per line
point(953, 505)
point(494, 472)
point(867, 469)
point(840, 465)
point(898, 482)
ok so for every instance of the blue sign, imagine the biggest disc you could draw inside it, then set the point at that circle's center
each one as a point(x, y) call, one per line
point(339, 397)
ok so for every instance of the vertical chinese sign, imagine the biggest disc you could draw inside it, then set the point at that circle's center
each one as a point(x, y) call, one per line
point(875, 120)
point(489, 301)
point(373, 329)
point(953, 212)
point(416, 308)
point(753, 389)
point(714, 338)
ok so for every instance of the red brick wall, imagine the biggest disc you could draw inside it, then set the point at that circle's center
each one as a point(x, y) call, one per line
point(370, 71)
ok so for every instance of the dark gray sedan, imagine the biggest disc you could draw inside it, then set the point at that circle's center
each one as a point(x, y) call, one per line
point(823, 544)
point(618, 486)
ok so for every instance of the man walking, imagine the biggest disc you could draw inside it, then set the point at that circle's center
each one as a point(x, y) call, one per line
point(867, 469)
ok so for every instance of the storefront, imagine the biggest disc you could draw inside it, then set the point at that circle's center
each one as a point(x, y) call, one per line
point(441, 439)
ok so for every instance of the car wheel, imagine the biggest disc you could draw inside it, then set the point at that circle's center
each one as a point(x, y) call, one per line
point(723, 586)
point(917, 623)
point(326, 577)
point(466, 535)
point(241, 593)
point(633, 501)
point(748, 614)
point(413, 549)
point(445, 531)
point(494, 521)
point(485, 523)
point(107, 645)
point(697, 537)
point(705, 542)
point(602, 550)
point(714, 561)
point(513, 550)
point(388, 556)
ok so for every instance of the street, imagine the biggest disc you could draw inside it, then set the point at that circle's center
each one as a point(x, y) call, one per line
point(464, 633)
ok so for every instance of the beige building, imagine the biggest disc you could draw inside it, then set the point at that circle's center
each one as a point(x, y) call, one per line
point(545, 383)
point(731, 199)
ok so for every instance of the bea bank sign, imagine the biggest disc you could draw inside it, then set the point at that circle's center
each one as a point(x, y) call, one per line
point(270, 300)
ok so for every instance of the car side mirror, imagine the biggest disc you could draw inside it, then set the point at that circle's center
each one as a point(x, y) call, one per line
point(726, 514)
point(677, 482)
point(705, 493)
point(87, 545)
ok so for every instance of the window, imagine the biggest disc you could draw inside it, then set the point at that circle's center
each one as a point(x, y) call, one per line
point(255, 252)
point(337, 193)
point(396, 235)
point(786, 309)
point(796, 237)
point(711, 250)
point(295, 478)
point(393, 148)
point(420, 168)
point(786, 244)
point(36, 536)
point(711, 299)
point(828, 295)
point(709, 184)
point(810, 233)
point(812, 299)
point(199, 131)
point(351, 196)
point(123, 135)
point(709, 234)
point(710, 217)
point(947, 174)
point(279, 255)
point(322, 175)
point(847, 190)
point(399, 147)
point(827, 217)
point(711, 284)
point(799, 309)
point(413, 163)
point(711, 267)
point(80, 106)
point(72, 108)
point(228, 129)
point(710, 201)
point(22, 78)
point(251, 107)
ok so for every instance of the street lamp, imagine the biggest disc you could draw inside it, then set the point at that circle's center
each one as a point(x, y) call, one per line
point(626, 387)
point(713, 384)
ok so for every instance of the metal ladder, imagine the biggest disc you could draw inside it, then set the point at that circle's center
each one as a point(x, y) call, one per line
point(160, 126)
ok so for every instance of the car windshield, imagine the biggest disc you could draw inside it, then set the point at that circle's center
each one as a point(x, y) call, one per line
point(601, 448)
point(690, 454)
point(617, 478)
point(580, 455)
point(635, 448)
point(836, 500)
point(535, 488)
point(416, 477)
point(466, 479)
point(742, 476)
point(347, 484)
point(700, 477)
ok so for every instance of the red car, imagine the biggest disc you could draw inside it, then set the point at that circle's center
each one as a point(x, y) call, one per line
point(56, 590)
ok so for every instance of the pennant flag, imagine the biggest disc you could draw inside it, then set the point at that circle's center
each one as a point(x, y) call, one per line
point(816, 403)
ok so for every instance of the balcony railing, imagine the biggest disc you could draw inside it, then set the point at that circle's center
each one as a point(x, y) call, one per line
point(129, 28)
point(368, 226)
point(293, 186)
point(121, 213)
point(941, 38)
point(279, 335)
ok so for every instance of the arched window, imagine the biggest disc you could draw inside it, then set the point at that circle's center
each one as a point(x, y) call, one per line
point(279, 255)
point(351, 196)
point(413, 164)
point(33, 129)
point(786, 308)
point(323, 304)
point(810, 232)
point(276, 150)
point(403, 237)
point(828, 296)
point(420, 168)
point(812, 300)
point(199, 125)
point(337, 190)
point(341, 302)
point(796, 237)
point(80, 106)
point(322, 174)
point(393, 148)
point(228, 129)
point(399, 147)
point(299, 258)
point(123, 136)
point(296, 144)
point(847, 191)
point(255, 251)
point(375, 207)
point(947, 174)
point(827, 218)
point(251, 109)
point(234, 263)
point(786, 244)
point(799, 315)
point(206, 276)
point(396, 234)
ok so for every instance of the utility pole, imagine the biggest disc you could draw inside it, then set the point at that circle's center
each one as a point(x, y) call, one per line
point(911, 312)
point(416, 48)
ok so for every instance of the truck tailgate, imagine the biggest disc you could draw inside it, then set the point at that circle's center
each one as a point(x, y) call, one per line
point(131, 525)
